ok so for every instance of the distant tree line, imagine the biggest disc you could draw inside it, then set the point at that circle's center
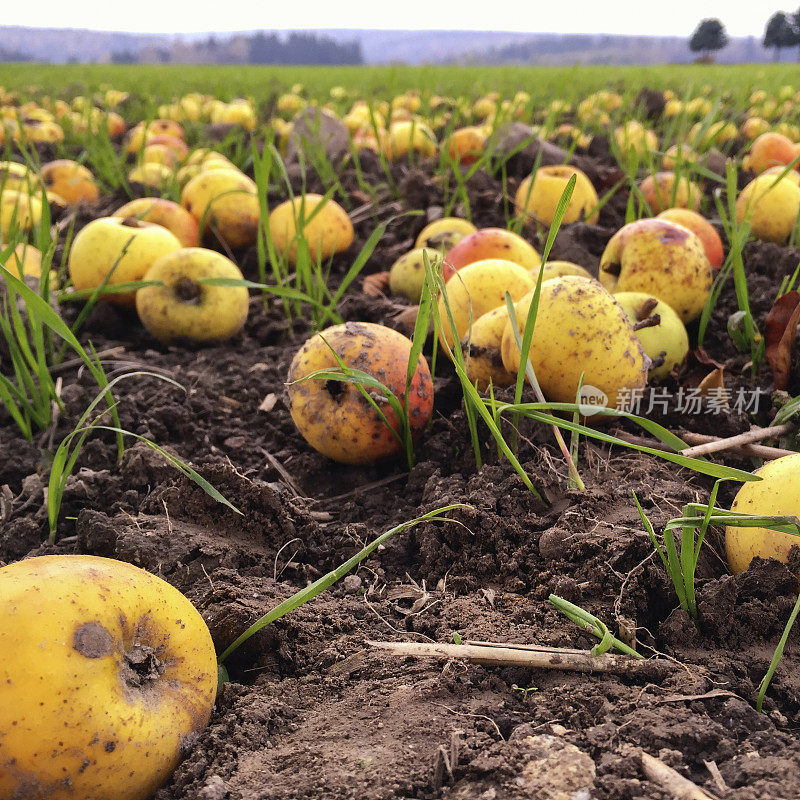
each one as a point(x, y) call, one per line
point(783, 30)
point(303, 48)
point(257, 48)
point(8, 56)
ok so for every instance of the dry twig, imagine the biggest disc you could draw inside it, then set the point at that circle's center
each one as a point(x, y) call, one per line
point(500, 655)
point(675, 784)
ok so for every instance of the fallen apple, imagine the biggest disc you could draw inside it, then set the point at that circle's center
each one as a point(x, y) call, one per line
point(661, 258)
point(538, 197)
point(333, 416)
point(107, 675)
point(326, 228)
point(778, 492)
point(184, 307)
point(580, 330)
point(126, 246)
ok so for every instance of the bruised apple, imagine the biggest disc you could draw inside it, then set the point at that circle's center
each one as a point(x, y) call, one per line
point(333, 416)
point(107, 675)
point(70, 180)
point(580, 329)
point(661, 258)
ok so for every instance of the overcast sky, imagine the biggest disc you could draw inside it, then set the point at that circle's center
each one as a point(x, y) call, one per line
point(675, 17)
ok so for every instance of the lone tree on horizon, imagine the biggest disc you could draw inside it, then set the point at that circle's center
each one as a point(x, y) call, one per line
point(780, 33)
point(708, 36)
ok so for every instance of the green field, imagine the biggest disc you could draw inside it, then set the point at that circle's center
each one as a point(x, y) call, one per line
point(225, 82)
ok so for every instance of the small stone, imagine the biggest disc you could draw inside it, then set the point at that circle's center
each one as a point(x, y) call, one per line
point(557, 770)
point(215, 789)
point(352, 584)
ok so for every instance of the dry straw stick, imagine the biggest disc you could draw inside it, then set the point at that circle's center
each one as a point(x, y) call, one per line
point(754, 450)
point(755, 435)
point(500, 655)
point(678, 787)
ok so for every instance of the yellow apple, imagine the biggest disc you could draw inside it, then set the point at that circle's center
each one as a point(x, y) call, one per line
point(580, 329)
point(107, 675)
point(101, 246)
point(481, 348)
point(19, 211)
point(659, 328)
point(411, 135)
point(327, 229)
point(225, 201)
point(778, 492)
point(444, 234)
point(407, 274)
point(70, 180)
point(538, 197)
point(169, 215)
point(771, 206)
point(185, 308)
point(660, 258)
point(477, 288)
point(333, 416)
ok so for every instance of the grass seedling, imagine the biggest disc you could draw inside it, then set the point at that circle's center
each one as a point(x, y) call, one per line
point(474, 404)
point(737, 237)
point(776, 656)
point(524, 342)
point(31, 398)
point(681, 566)
point(541, 412)
point(71, 446)
point(591, 624)
point(326, 581)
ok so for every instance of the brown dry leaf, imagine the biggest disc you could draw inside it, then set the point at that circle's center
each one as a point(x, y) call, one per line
point(703, 357)
point(781, 329)
point(712, 382)
point(376, 285)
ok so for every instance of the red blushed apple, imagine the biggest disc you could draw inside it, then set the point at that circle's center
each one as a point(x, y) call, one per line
point(702, 228)
point(175, 218)
point(490, 243)
point(771, 150)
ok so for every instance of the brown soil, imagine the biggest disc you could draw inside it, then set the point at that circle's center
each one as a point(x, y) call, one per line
point(312, 711)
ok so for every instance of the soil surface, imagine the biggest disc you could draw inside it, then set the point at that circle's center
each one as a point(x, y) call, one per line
point(312, 710)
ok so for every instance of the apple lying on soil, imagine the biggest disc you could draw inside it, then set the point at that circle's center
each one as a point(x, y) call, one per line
point(184, 308)
point(660, 258)
point(107, 676)
point(580, 329)
point(128, 246)
point(333, 416)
